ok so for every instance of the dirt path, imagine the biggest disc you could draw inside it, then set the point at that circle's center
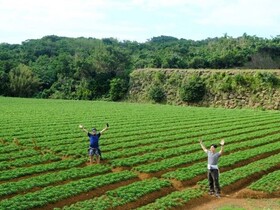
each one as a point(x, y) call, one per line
point(240, 204)
point(244, 199)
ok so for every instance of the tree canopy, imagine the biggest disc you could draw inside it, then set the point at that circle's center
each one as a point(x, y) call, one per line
point(89, 68)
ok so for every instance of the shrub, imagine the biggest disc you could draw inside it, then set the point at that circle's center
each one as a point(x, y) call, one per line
point(225, 85)
point(239, 79)
point(159, 77)
point(156, 93)
point(118, 88)
point(193, 90)
point(268, 79)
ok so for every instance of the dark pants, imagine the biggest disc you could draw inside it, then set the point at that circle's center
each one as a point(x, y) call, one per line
point(213, 179)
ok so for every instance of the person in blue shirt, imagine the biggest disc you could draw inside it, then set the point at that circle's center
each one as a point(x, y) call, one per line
point(93, 149)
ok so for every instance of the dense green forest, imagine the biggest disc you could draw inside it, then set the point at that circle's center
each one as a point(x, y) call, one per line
point(89, 68)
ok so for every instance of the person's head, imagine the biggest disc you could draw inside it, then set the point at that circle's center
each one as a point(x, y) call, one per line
point(94, 130)
point(213, 147)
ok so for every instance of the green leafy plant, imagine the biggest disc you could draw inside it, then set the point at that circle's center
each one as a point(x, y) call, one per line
point(268, 79)
point(157, 93)
point(118, 88)
point(193, 90)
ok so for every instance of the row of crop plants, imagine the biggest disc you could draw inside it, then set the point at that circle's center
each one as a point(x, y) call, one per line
point(51, 178)
point(33, 160)
point(12, 151)
point(158, 155)
point(61, 120)
point(188, 148)
point(112, 146)
point(55, 143)
point(183, 149)
point(60, 129)
point(178, 139)
point(179, 131)
point(189, 158)
point(153, 167)
point(6, 148)
point(121, 196)
point(56, 135)
point(51, 116)
point(52, 194)
point(36, 169)
point(173, 200)
point(269, 183)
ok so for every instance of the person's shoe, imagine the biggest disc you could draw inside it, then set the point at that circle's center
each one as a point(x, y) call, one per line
point(218, 195)
point(211, 193)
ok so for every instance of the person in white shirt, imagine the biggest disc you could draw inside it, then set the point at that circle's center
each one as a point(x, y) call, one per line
point(213, 170)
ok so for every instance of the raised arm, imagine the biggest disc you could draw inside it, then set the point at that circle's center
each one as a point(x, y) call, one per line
point(104, 129)
point(83, 129)
point(222, 143)
point(202, 146)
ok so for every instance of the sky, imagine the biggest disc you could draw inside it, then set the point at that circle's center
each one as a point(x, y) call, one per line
point(137, 20)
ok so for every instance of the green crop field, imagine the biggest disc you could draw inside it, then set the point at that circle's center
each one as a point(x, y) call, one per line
point(151, 154)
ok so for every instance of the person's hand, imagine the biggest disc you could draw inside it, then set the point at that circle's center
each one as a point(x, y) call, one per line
point(107, 125)
point(80, 126)
point(200, 141)
point(222, 143)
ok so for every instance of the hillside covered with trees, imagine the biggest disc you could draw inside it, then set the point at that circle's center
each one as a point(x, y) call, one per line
point(89, 68)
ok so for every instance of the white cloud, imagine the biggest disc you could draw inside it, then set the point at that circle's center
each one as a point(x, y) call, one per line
point(135, 19)
point(252, 13)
